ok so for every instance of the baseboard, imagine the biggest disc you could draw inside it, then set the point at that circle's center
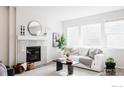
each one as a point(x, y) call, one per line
point(120, 67)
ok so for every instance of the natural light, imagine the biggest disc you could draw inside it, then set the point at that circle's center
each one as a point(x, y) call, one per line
point(91, 35)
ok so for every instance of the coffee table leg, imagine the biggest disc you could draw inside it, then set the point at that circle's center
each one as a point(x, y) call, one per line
point(59, 66)
point(70, 69)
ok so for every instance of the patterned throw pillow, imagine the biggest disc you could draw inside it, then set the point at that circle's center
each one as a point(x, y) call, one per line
point(75, 51)
point(71, 51)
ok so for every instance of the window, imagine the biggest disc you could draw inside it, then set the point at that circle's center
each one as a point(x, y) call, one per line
point(91, 35)
point(72, 36)
point(104, 34)
point(114, 34)
point(88, 36)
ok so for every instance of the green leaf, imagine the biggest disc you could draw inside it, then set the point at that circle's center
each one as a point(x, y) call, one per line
point(61, 41)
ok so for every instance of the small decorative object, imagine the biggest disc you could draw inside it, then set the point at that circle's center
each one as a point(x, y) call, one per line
point(30, 66)
point(18, 68)
point(23, 30)
point(110, 65)
point(68, 59)
point(45, 32)
point(54, 38)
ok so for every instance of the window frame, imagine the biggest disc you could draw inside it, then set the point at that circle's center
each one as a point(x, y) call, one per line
point(67, 38)
point(97, 46)
point(110, 33)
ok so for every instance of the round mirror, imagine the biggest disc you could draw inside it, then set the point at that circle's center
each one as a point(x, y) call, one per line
point(34, 28)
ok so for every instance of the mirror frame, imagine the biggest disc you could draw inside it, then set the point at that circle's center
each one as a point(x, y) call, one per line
point(29, 29)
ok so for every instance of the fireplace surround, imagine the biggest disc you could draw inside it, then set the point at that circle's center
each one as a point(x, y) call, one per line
point(22, 46)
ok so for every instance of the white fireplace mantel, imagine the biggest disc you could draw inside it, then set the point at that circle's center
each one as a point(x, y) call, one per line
point(41, 38)
point(25, 41)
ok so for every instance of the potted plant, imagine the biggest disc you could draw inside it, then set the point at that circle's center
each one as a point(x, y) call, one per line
point(61, 42)
point(110, 63)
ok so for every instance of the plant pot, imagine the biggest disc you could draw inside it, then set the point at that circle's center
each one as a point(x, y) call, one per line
point(110, 65)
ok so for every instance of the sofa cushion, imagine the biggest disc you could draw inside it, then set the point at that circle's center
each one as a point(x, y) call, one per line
point(83, 51)
point(86, 60)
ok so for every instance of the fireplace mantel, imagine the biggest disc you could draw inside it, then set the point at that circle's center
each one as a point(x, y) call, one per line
point(42, 38)
point(30, 41)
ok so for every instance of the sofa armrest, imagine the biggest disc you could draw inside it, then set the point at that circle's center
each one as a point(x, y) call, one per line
point(98, 62)
point(99, 57)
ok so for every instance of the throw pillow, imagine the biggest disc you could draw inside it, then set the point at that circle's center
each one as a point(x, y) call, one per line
point(75, 51)
point(92, 52)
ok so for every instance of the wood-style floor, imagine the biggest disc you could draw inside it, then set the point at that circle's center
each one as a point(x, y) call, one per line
point(50, 70)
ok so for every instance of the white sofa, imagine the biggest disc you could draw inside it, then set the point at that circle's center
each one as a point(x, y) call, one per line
point(96, 63)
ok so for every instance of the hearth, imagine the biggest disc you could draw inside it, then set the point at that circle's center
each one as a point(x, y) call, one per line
point(33, 54)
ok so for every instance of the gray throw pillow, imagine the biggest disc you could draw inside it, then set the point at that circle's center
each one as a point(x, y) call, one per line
point(92, 52)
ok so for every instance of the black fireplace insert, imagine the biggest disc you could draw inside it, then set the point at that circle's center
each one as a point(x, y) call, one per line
point(33, 53)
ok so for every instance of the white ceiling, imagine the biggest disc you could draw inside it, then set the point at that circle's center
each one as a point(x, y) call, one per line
point(66, 13)
point(71, 12)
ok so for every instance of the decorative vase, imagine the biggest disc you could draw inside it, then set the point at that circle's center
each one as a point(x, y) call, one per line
point(68, 61)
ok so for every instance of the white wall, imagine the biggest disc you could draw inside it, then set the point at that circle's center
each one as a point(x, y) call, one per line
point(47, 19)
point(115, 15)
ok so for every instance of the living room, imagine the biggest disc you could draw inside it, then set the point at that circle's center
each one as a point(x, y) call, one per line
point(83, 28)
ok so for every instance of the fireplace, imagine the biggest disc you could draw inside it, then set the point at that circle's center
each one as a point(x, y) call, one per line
point(33, 54)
